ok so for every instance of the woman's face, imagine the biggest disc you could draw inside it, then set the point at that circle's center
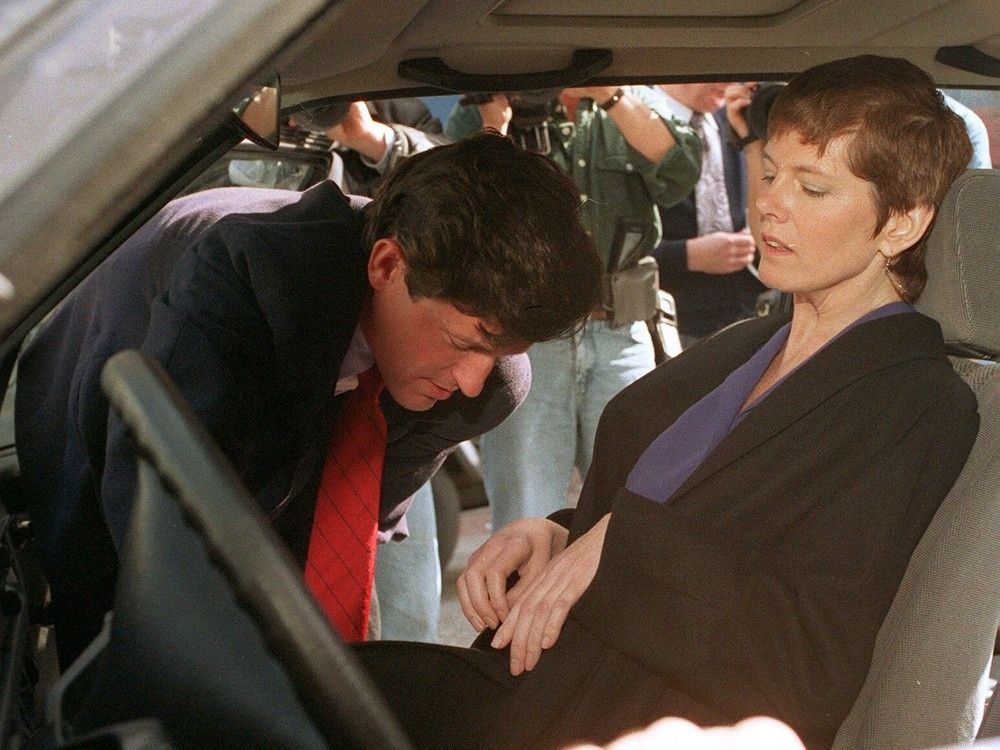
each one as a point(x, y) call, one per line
point(817, 221)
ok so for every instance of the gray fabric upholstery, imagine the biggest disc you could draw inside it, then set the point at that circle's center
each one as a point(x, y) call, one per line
point(924, 685)
point(963, 264)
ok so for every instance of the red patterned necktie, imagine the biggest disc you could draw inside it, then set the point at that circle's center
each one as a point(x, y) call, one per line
point(341, 558)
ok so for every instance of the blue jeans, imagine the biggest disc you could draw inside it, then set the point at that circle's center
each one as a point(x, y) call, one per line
point(408, 576)
point(528, 460)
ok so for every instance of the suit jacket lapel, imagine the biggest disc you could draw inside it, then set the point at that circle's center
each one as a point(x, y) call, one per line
point(292, 518)
point(870, 347)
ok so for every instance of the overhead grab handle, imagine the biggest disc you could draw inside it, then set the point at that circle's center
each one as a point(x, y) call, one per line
point(967, 57)
point(585, 64)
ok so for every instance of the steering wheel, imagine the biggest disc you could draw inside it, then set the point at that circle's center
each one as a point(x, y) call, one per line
point(330, 685)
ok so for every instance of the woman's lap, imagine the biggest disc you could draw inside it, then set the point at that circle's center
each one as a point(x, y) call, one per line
point(443, 696)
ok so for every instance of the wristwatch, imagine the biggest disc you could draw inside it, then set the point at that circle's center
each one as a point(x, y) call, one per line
point(615, 98)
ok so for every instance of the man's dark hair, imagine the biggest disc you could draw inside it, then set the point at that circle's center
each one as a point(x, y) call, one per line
point(494, 230)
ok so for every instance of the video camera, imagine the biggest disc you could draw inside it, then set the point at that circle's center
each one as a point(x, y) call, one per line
point(756, 114)
point(533, 111)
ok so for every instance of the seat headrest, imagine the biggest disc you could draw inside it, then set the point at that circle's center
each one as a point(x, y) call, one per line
point(963, 264)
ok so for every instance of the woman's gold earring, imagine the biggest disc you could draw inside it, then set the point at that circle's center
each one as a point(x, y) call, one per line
point(888, 272)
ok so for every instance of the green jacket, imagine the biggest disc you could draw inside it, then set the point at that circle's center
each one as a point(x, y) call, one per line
point(615, 180)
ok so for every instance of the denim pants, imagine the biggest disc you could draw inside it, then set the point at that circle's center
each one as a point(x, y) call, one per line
point(528, 460)
point(408, 576)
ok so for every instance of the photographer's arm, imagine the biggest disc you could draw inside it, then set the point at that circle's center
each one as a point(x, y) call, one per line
point(641, 127)
point(738, 96)
point(496, 113)
point(358, 131)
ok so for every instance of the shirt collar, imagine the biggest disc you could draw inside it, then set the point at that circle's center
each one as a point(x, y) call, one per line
point(681, 112)
point(684, 113)
point(359, 358)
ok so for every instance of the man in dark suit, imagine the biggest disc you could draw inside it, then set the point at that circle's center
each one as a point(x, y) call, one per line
point(264, 307)
point(706, 252)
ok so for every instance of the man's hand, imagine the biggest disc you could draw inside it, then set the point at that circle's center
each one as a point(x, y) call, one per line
point(758, 733)
point(360, 132)
point(537, 618)
point(738, 96)
point(496, 113)
point(720, 252)
point(525, 546)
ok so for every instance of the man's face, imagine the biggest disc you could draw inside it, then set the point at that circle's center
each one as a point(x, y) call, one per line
point(701, 97)
point(426, 349)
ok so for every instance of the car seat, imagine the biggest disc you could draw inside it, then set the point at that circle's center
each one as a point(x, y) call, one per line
point(925, 685)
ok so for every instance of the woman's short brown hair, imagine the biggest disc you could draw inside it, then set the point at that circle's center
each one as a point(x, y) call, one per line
point(904, 139)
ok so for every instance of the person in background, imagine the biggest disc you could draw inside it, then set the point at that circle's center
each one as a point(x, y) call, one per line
point(978, 134)
point(373, 137)
point(706, 255)
point(626, 154)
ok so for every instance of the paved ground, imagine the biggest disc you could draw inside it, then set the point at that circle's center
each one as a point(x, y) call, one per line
point(474, 529)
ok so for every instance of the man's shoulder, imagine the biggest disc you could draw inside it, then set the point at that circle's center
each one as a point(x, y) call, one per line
point(309, 234)
point(323, 202)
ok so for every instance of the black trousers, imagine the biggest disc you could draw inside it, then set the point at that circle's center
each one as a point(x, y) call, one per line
point(443, 696)
point(580, 691)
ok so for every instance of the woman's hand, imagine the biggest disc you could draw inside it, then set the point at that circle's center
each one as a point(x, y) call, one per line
point(525, 546)
point(537, 618)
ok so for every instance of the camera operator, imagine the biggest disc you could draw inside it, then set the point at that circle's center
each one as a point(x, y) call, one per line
point(373, 137)
point(626, 154)
point(706, 254)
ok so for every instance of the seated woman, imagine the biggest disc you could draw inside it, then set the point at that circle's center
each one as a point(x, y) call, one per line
point(752, 503)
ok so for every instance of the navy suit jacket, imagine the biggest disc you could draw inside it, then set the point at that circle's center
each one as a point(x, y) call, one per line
point(706, 302)
point(249, 299)
point(759, 587)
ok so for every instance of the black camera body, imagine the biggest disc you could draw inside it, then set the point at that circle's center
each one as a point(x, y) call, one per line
point(533, 111)
point(756, 114)
point(760, 107)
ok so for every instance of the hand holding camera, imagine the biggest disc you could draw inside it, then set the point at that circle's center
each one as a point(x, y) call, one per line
point(747, 108)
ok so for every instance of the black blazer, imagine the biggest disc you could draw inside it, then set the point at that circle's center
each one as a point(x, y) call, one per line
point(707, 302)
point(249, 299)
point(760, 586)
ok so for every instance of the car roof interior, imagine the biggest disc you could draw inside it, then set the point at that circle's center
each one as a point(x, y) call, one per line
point(651, 40)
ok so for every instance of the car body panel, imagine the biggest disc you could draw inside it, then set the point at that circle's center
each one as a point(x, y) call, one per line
point(101, 100)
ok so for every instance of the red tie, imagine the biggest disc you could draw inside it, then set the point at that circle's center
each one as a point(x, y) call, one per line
point(341, 558)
